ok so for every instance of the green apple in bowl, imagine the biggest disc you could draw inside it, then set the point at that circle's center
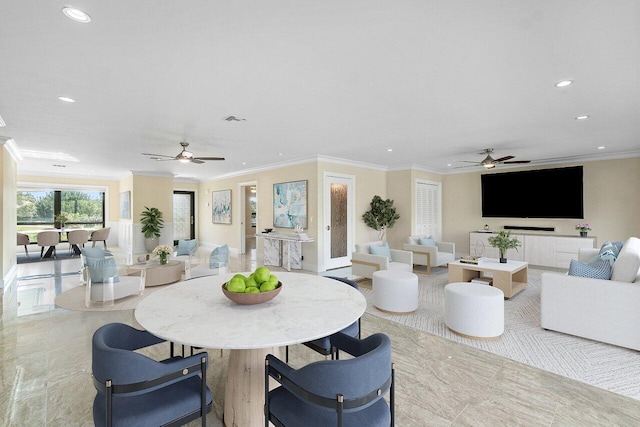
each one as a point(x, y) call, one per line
point(236, 284)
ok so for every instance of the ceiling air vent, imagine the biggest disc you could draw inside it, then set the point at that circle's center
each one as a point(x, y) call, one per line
point(234, 119)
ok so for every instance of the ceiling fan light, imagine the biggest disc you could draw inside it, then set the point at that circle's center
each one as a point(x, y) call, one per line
point(186, 153)
point(184, 159)
point(489, 165)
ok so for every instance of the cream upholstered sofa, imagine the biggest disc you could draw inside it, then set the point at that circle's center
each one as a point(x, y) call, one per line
point(601, 310)
point(364, 263)
point(431, 256)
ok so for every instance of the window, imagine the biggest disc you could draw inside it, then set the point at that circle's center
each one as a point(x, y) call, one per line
point(37, 209)
point(428, 218)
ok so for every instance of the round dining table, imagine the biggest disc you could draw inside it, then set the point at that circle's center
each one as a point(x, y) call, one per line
point(196, 313)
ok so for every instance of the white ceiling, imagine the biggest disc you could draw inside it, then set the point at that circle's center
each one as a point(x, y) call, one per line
point(436, 81)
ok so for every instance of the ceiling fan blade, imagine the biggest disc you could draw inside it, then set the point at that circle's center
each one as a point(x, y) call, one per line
point(518, 161)
point(502, 159)
point(157, 155)
point(209, 158)
point(196, 161)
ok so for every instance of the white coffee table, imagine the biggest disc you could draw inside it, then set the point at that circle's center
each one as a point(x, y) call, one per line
point(509, 277)
point(196, 313)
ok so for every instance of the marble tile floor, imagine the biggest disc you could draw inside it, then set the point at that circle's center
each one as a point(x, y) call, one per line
point(46, 366)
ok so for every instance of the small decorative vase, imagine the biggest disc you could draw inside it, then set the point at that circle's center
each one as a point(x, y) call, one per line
point(583, 234)
point(163, 258)
point(503, 260)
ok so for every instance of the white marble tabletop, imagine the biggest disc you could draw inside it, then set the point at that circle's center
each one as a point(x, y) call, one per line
point(197, 313)
point(494, 264)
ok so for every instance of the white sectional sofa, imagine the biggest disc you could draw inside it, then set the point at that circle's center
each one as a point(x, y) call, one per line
point(601, 310)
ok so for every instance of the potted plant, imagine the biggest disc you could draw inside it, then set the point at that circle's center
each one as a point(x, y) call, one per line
point(152, 221)
point(60, 220)
point(381, 216)
point(503, 241)
point(583, 228)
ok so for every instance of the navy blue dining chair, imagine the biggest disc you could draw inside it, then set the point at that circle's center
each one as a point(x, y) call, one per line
point(347, 392)
point(136, 390)
point(323, 345)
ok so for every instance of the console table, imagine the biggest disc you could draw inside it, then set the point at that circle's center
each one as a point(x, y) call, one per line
point(283, 250)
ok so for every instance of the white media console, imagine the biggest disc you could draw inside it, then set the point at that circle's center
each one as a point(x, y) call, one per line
point(537, 249)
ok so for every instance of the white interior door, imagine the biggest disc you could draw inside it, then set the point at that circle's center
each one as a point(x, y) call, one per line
point(338, 232)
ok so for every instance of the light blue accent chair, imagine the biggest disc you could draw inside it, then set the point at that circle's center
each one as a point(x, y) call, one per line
point(135, 390)
point(341, 393)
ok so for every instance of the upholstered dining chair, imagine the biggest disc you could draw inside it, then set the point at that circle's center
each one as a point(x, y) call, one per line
point(48, 239)
point(23, 240)
point(346, 392)
point(323, 345)
point(77, 238)
point(136, 390)
point(100, 235)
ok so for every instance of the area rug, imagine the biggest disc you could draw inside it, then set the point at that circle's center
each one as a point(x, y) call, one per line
point(73, 299)
point(34, 256)
point(602, 365)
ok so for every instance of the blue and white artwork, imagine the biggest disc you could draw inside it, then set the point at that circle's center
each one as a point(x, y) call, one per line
point(290, 204)
point(222, 207)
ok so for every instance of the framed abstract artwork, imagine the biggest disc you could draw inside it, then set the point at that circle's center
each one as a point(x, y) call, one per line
point(290, 204)
point(222, 207)
point(125, 205)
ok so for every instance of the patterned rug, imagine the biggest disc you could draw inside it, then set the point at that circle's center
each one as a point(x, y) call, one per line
point(602, 365)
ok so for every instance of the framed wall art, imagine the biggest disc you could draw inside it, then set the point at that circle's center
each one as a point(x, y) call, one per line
point(290, 204)
point(222, 207)
point(125, 205)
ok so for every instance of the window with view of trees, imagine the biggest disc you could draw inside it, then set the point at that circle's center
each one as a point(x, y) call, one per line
point(39, 209)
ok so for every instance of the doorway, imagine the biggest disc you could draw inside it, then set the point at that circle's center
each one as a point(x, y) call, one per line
point(184, 223)
point(249, 217)
point(338, 233)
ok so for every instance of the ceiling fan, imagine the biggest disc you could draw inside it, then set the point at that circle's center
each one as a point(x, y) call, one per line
point(490, 163)
point(185, 156)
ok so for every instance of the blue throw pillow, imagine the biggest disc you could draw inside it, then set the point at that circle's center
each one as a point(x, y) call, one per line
point(185, 247)
point(382, 249)
point(608, 252)
point(427, 241)
point(101, 265)
point(219, 256)
point(596, 270)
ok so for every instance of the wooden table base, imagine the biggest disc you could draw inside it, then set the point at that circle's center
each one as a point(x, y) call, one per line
point(244, 393)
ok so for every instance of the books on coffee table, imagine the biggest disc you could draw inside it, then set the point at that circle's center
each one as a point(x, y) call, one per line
point(469, 259)
point(483, 280)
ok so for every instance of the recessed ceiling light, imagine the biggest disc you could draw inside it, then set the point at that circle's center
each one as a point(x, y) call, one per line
point(564, 83)
point(602, 147)
point(76, 14)
point(244, 163)
point(280, 154)
point(449, 164)
point(389, 149)
point(66, 99)
point(582, 117)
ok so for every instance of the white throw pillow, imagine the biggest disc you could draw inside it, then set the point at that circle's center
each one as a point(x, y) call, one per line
point(626, 267)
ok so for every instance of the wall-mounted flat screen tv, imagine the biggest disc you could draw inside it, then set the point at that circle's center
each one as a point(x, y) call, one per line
point(543, 193)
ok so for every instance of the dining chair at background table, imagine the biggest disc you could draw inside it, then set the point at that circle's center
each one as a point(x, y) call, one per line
point(76, 239)
point(50, 239)
point(100, 235)
point(23, 240)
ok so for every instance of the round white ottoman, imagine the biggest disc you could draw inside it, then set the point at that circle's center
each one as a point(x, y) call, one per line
point(395, 291)
point(473, 310)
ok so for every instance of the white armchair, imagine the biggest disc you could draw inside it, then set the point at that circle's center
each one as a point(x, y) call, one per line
point(430, 256)
point(364, 263)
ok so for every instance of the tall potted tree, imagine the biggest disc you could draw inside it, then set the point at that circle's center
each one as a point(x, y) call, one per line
point(381, 216)
point(503, 241)
point(152, 221)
